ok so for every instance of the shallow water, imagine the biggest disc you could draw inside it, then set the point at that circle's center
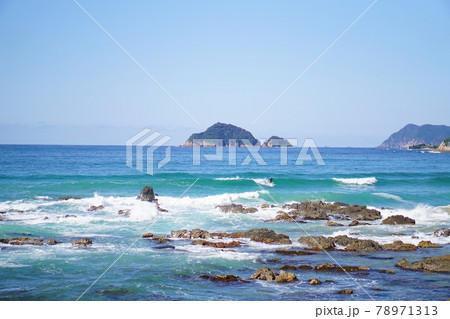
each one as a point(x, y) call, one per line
point(410, 183)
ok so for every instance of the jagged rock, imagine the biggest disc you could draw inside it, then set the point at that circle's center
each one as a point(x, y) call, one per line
point(67, 198)
point(288, 267)
point(82, 242)
point(317, 242)
point(147, 235)
point(95, 208)
point(292, 216)
point(334, 224)
point(427, 244)
point(285, 277)
point(190, 234)
point(398, 220)
point(147, 194)
point(125, 212)
point(264, 274)
point(289, 252)
point(216, 244)
point(345, 292)
point(434, 264)
point(268, 206)
point(354, 223)
point(442, 232)
point(398, 245)
point(314, 281)
point(222, 278)
point(237, 209)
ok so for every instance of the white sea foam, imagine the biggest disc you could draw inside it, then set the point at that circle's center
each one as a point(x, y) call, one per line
point(260, 181)
point(356, 181)
point(423, 214)
point(227, 178)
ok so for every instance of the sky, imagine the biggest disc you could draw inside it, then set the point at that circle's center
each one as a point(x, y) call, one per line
point(64, 81)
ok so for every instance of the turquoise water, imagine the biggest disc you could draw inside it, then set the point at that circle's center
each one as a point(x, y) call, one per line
point(410, 183)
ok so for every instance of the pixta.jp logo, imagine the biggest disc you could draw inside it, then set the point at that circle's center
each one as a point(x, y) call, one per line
point(147, 141)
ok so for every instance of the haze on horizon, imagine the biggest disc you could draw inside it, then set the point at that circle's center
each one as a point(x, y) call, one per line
point(64, 81)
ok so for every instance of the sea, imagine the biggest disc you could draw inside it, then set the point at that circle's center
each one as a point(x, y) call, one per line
point(121, 265)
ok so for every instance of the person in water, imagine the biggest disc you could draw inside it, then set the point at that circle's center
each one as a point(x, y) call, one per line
point(270, 180)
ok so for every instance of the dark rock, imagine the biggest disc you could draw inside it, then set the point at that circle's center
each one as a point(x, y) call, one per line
point(314, 281)
point(124, 212)
point(399, 234)
point(442, 232)
point(398, 220)
point(19, 241)
point(268, 206)
point(355, 244)
point(305, 267)
point(354, 223)
point(82, 242)
point(164, 247)
point(51, 241)
point(345, 292)
point(434, 264)
point(223, 278)
point(264, 274)
point(427, 244)
point(216, 244)
point(147, 194)
point(148, 235)
point(276, 261)
point(398, 245)
point(289, 252)
point(383, 271)
point(325, 267)
point(288, 267)
point(267, 236)
point(95, 208)
point(285, 277)
point(2, 212)
point(352, 268)
point(70, 216)
point(67, 198)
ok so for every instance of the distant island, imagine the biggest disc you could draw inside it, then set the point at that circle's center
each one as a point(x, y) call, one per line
point(275, 141)
point(430, 137)
point(226, 132)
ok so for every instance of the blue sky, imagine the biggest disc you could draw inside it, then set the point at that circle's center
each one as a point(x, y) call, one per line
point(64, 81)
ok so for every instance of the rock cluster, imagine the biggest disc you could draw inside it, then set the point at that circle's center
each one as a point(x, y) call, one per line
point(398, 220)
point(434, 264)
point(270, 275)
point(237, 209)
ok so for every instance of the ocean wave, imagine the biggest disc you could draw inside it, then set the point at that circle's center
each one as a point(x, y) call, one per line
point(228, 178)
point(423, 214)
point(390, 196)
point(357, 181)
point(260, 181)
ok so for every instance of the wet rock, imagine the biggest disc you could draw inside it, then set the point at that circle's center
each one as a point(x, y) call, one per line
point(321, 210)
point(398, 220)
point(288, 267)
point(216, 244)
point(317, 242)
point(398, 245)
point(345, 292)
point(427, 244)
point(2, 213)
point(69, 216)
point(19, 241)
point(147, 194)
point(314, 281)
point(164, 247)
point(442, 232)
point(352, 268)
point(285, 277)
point(124, 212)
point(264, 274)
point(433, 264)
point(289, 252)
point(325, 267)
point(267, 236)
point(384, 271)
point(334, 224)
point(82, 242)
point(190, 234)
point(399, 234)
point(67, 198)
point(237, 209)
point(354, 223)
point(268, 206)
point(147, 235)
point(275, 260)
point(305, 267)
point(292, 216)
point(95, 208)
point(51, 241)
point(222, 278)
point(161, 240)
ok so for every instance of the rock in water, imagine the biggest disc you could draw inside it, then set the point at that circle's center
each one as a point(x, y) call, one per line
point(147, 194)
point(434, 264)
point(442, 232)
point(398, 220)
point(314, 281)
point(82, 242)
point(285, 276)
point(264, 274)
